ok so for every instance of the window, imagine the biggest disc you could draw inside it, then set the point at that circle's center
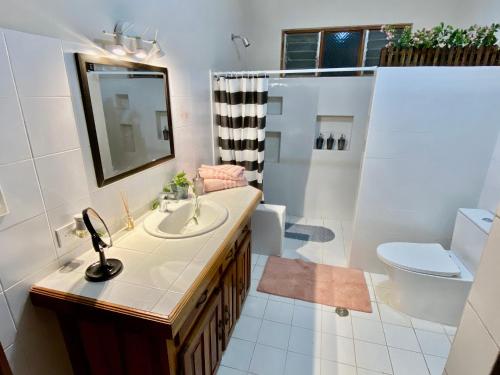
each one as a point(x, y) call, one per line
point(339, 47)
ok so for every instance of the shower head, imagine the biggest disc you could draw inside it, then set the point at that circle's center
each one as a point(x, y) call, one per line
point(244, 40)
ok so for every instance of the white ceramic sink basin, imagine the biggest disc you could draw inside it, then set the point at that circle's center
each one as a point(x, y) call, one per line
point(177, 224)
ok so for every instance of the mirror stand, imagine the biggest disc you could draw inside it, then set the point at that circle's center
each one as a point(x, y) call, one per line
point(104, 269)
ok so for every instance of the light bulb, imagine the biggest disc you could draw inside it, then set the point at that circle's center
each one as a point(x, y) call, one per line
point(140, 54)
point(116, 49)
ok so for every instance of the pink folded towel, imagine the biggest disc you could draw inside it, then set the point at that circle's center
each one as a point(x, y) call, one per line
point(212, 184)
point(222, 172)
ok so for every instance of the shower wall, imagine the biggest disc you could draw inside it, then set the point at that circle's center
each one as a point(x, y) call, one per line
point(315, 183)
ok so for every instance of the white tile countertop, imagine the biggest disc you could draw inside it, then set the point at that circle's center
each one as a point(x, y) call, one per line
point(157, 272)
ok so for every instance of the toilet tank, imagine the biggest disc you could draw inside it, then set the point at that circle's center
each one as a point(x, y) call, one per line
point(472, 227)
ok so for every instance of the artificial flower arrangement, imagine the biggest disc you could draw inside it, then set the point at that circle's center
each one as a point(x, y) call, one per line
point(442, 36)
point(443, 45)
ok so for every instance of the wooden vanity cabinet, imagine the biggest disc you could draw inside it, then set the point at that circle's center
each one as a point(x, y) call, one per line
point(243, 271)
point(203, 349)
point(103, 338)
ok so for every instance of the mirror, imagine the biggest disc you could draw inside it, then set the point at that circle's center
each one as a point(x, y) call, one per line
point(104, 269)
point(127, 108)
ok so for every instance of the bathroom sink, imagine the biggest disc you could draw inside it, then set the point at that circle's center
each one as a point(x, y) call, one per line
point(179, 223)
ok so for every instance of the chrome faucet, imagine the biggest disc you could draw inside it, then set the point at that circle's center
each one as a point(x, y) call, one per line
point(196, 213)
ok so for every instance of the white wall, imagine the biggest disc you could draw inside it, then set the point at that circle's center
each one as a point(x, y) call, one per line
point(317, 183)
point(431, 135)
point(46, 169)
point(267, 18)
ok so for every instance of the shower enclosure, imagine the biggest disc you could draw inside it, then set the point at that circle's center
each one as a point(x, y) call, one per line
point(302, 104)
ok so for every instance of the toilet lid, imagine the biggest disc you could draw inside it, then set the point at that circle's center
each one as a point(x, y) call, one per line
point(428, 258)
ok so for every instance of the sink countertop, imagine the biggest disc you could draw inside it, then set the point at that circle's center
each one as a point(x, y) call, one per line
point(157, 272)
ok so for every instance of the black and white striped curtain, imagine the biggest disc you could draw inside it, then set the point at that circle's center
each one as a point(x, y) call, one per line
point(240, 115)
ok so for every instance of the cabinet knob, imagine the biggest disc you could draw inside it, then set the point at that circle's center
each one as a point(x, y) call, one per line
point(230, 254)
point(227, 316)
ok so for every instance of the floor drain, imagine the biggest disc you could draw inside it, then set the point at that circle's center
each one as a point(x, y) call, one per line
point(341, 311)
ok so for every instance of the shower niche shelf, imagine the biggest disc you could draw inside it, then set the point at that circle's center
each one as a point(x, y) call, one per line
point(275, 105)
point(335, 125)
point(273, 147)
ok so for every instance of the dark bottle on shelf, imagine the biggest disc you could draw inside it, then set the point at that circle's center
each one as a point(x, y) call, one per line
point(165, 134)
point(330, 142)
point(319, 142)
point(341, 143)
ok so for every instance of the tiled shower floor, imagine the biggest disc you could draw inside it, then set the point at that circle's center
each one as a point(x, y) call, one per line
point(277, 335)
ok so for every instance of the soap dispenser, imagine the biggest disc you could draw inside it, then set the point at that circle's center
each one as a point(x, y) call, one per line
point(198, 184)
point(341, 142)
point(330, 142)
point(319, 142)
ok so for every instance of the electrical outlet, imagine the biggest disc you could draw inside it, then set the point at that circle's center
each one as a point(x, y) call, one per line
point(66, 237)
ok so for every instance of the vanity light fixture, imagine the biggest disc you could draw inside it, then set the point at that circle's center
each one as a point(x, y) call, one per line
point(135, 46)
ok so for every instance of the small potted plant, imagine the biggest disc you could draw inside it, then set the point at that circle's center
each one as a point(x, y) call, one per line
point(180, 185)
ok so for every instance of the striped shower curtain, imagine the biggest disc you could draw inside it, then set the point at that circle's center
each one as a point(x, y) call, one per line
point(240, 115)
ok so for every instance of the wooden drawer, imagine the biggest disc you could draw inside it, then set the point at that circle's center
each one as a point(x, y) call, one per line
point(197, 308)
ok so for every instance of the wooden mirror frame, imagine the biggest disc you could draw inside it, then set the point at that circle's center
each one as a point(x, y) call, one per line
point(83, 62)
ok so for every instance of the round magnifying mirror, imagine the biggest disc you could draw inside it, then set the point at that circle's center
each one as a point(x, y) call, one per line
point(104, 269)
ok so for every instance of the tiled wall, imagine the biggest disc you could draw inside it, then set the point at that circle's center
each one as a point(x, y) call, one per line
point(477, 343)
point(47, 175)
point(431, 136)
point(319, 183)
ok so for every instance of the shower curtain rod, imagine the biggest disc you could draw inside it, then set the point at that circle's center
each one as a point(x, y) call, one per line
point(299, 71)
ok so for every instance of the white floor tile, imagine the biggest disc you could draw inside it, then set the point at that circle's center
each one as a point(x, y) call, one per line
point(433, 343)
point(262, 260)
point(401, 337)
point(305, 341)
point(290, 254)
point(238, 354)
point(273, 297)
point(405, 362)
point(247, 328)
point(254, 306)
point(371, 291)
point(382, 294)
point(335, 324)
point(223, 370)
point(374, 315)
point(274, 334)
point(308, 304)
point(435, 364)
point(300, 364)
point(267, 360)
point(372, 356)
point(426, 325)
point(368, 278)
point(255, 258)
point(380, 279)
point(337, 348)
point(279, 312)
point(291, 244)
point(254, 292)
point(257, 272)
point(368, 330)
point(306, 318)
point(336, 368)
point(450, 330)
point(393, 316)
point(362, 371)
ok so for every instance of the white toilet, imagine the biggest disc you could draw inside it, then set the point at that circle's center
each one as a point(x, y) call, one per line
point(432, 283)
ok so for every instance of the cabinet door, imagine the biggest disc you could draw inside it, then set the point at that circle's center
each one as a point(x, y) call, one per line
point(229, 301)
point(243, 270)
point(203, 348)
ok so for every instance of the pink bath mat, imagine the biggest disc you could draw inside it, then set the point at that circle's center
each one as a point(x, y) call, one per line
point(318, 283)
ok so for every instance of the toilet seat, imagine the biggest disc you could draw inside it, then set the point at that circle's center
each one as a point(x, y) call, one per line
point(428, 258)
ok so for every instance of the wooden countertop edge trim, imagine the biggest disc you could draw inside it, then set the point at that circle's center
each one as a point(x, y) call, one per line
point(151, 316)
